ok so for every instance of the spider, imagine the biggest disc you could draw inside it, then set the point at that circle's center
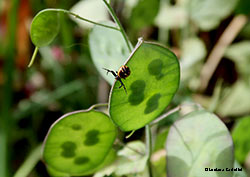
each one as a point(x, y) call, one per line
point(122, 73)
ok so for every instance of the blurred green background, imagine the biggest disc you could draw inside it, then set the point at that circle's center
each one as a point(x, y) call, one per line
point(210, 37)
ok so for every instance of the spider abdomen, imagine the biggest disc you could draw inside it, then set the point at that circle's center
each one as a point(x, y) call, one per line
point(123, 72)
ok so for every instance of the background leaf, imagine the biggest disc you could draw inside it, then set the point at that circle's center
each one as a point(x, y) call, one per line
point(44, 27)
point(154, 79)
point(198, 141)
point(78, 142)
point(144, 13)
point(171, 16)
point(207, 14)
point(235, 101)
point(189, 57)
point(131, 161)
point(241, 138)
point(88, 9)
point(239, 173)
point(240, 54)
point(108, 50)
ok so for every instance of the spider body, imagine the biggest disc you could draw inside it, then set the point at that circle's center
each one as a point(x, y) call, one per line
point(122, 73)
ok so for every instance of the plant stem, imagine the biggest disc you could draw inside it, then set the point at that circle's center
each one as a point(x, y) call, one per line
point(8, 69)
point(149, 147)
point(25, 169)
point(112, 13)
point(33, 57)
point(215, 56)
point(163, 116)
point(98, 105)
point(172, 111)
point(90, 21)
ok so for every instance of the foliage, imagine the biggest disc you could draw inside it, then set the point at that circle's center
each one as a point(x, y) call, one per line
point(164, 94)
point(241, 139)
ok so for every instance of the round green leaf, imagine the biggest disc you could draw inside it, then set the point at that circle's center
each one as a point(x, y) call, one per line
point(79, 141)
point(45, 27)
point(110, 157)
point(198, 141)
point(108, 49)
point(153, 81)
point(241, 139)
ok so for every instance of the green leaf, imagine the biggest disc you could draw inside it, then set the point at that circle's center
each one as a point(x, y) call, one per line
point(108, 50)
point(171, 16)
point(160, 139)
point(153, 81)
point(108, 160)
point(241, 139)
point(243, 7)
point(240, 54)
point(199, 140)
point(45, 27)
point(235, 101)
point(207, 14)
point(132, 160)
point(189, 57)
point(54, 173)
point(88, 10)
point(144, 13)
point(78, 142)
point(239, 173)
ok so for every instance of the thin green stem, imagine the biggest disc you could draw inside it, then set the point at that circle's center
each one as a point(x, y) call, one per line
point(31, 161)
point(128, 136)
point(163, 116)
point(90, 21)
point(33, 57)
point(112, 13)
point(149, 148)
point(172, 111)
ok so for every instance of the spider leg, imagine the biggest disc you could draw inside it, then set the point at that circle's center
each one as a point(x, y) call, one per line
point(110, 71)
point(122, 85)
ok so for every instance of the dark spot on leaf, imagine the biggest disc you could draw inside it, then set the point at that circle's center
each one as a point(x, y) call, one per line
point(81, 160)
point(152, 103)
point(68, 149)
point(92, 138)
point(76, 127)
point(137, 95)
point(155, 68)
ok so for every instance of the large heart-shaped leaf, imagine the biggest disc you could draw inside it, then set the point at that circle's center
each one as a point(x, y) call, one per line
point(108, 49)
point(78, 142)
point(153, 81)
point(45, 27)
point(198, 141)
